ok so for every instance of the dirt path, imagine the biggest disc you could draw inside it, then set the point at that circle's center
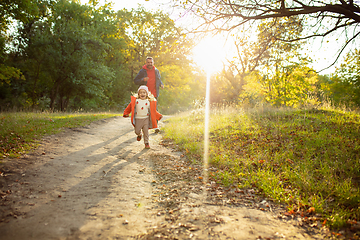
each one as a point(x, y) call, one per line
point(98, 182)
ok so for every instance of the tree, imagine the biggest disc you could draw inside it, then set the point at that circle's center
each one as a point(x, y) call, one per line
point(155, 34)
point(10, 11)
point(74, 56)
point(264, 54)
point(64, 55)
point(20, 10)
point(345, 84)
point(324, 17)
point(287, 81)
point(290, 86)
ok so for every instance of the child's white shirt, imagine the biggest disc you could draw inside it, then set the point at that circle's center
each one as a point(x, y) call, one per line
point(142, 108)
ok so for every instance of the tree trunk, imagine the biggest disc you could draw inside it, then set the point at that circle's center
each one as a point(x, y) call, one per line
point(54, 94)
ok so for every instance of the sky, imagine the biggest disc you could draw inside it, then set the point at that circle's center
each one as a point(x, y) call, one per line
point(129, 4)
point(323, 53)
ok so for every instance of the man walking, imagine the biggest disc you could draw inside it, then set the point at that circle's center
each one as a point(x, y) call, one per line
point(149, 75)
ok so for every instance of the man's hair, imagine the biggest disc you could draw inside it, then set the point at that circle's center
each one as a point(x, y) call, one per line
point(149, 58)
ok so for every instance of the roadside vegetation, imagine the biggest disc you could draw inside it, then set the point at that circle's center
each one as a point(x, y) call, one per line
point(64, 55)
point(21, 132)
point(307, 159)
point(67, 56)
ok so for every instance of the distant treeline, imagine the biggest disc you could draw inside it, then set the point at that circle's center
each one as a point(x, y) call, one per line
point(63, 55)
point(66, 56)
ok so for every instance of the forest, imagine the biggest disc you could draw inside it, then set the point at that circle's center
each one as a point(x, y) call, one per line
point(62, 55)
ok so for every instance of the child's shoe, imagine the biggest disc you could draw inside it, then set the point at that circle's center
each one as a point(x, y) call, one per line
point(138, 137)
point(147, 146)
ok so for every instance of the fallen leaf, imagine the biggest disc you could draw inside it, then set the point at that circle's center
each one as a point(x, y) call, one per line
point(324, 222)
point(311, 210)
point(336, 234)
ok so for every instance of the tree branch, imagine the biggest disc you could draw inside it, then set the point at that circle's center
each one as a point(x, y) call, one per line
point(341, 51)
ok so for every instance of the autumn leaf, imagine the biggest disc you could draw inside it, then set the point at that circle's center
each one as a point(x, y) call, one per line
point(324, 222)
point(311, 210)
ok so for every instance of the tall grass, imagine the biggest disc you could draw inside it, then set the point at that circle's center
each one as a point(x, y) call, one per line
point(304, 158)
point(21, 131)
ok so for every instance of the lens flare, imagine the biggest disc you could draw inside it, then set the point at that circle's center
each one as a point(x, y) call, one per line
point(210, 54)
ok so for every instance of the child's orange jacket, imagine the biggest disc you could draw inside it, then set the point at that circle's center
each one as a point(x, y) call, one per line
point(154, 115)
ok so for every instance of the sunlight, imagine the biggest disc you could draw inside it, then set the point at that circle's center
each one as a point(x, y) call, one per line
point(206, 130)
point(210, 53)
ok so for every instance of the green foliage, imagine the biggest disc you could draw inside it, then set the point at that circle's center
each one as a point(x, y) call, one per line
point(291, 86)
point(304, 158)
point(273, 38)
point(21, 10)
point(155, 34)
point(85, 57)
point(7, 72)
point(345, 83)
point(21, 132)
point(288, 80)
point(69, 56)
point(183, 87)
point(269, 69)
point(254, 91)
point(66, 54)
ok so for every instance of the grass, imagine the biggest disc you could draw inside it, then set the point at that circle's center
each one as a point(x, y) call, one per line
point(307, 159)
point(21, 132)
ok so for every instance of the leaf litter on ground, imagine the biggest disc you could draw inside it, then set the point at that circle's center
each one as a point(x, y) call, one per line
point(305, 159)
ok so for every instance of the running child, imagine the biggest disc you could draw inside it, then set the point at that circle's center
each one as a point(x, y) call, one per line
point(143, 111)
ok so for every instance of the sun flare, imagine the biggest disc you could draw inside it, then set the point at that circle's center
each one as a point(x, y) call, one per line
point(210, 53)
